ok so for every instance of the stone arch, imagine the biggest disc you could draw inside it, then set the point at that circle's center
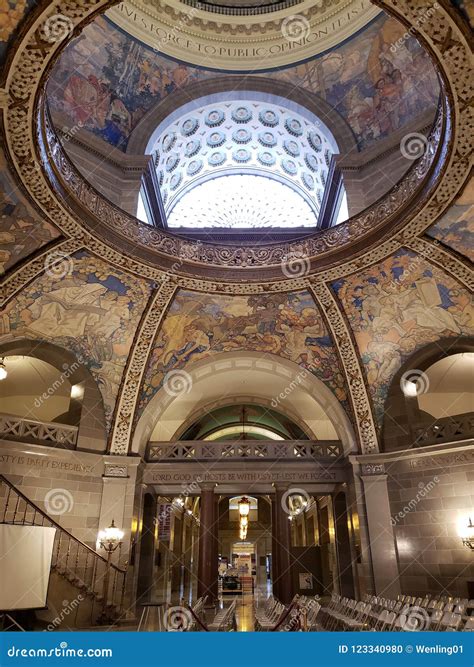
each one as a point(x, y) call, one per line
point(280, 381)
point(401, 412)
point(90, 413)
point(205, 92)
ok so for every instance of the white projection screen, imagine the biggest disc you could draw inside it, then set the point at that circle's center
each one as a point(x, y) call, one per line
point(25, 563)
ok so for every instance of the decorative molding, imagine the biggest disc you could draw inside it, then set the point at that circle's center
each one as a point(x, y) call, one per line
point(434, 252)
point(114, 470)
point(354, 375)
point(373, 469)
point(130, 390)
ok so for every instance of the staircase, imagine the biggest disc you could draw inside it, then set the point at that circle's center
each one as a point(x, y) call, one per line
point(77, 571)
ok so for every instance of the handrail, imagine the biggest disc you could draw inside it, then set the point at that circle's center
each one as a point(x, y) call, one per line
point(197, 619)
point(57, 525)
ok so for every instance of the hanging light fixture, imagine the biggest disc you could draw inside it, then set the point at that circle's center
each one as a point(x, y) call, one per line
point(3, 370)
point(244, 506)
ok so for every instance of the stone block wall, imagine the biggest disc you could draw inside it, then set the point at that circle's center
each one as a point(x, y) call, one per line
point(429, 497)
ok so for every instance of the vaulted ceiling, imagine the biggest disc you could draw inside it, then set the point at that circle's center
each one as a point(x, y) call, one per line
point(135, 304)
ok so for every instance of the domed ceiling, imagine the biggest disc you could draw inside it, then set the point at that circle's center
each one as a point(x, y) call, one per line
point(351, 322)
point(269, 157)
point(247, 36)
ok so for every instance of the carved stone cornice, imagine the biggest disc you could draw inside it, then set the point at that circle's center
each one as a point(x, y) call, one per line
point(350, 362)
point(129, 392)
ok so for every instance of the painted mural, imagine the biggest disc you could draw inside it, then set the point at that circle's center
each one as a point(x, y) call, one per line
point(22, 231)
point(106, 81)
point(11, 15)
point(200, 325)
point(93, 311)
point(397, 307)
point(456, 228)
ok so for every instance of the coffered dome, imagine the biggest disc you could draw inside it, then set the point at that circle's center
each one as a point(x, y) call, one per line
point(243, 162)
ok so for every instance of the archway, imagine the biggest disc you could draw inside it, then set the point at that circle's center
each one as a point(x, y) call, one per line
point(406, 421)
point(85, 409)
point(271, 380)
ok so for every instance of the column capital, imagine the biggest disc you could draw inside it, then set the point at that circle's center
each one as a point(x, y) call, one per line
point(207, 486)
point(280, 486)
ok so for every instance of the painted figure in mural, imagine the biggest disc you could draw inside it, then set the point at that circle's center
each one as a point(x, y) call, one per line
point(288, 325)
point(398, 307)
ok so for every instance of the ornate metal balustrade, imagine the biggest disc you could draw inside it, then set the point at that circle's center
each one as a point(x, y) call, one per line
point(202, 450)
point(28, 430)
point(448, 429)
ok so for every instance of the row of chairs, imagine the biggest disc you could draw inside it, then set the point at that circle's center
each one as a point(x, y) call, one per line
point(381, 614)
point(224, 620)
point(268, 614)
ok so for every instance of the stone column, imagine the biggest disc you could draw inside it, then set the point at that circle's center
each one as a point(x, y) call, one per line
point(275, 579)
point(381, 537)
point(343, 546)
point(207, 566)
point(282, 538)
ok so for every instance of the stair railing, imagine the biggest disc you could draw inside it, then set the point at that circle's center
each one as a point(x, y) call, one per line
point(72, 559)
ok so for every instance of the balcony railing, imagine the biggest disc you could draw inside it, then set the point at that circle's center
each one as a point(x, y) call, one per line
point(28, 430)
point(255, 450)
point(447, 429)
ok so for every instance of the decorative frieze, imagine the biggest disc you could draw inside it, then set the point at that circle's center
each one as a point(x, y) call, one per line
point(350, 362)
point(128, 397)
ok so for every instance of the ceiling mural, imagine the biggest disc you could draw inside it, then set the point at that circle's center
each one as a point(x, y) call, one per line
point(91, 310)
point(106, 81)
point(456, 228)
point(12, 13)
point(398, 306)
point(22, 230)
point(201, 325)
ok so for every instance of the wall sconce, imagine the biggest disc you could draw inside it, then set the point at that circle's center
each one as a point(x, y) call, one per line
point(3, 370)
point(109, 540)
point(468, 535)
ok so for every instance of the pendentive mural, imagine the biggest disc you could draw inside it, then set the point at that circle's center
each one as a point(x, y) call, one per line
point(198, 326)
point(456, 227)
point(396, 307)
point(22, 229)
point(92, 310)
point(106, 80)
